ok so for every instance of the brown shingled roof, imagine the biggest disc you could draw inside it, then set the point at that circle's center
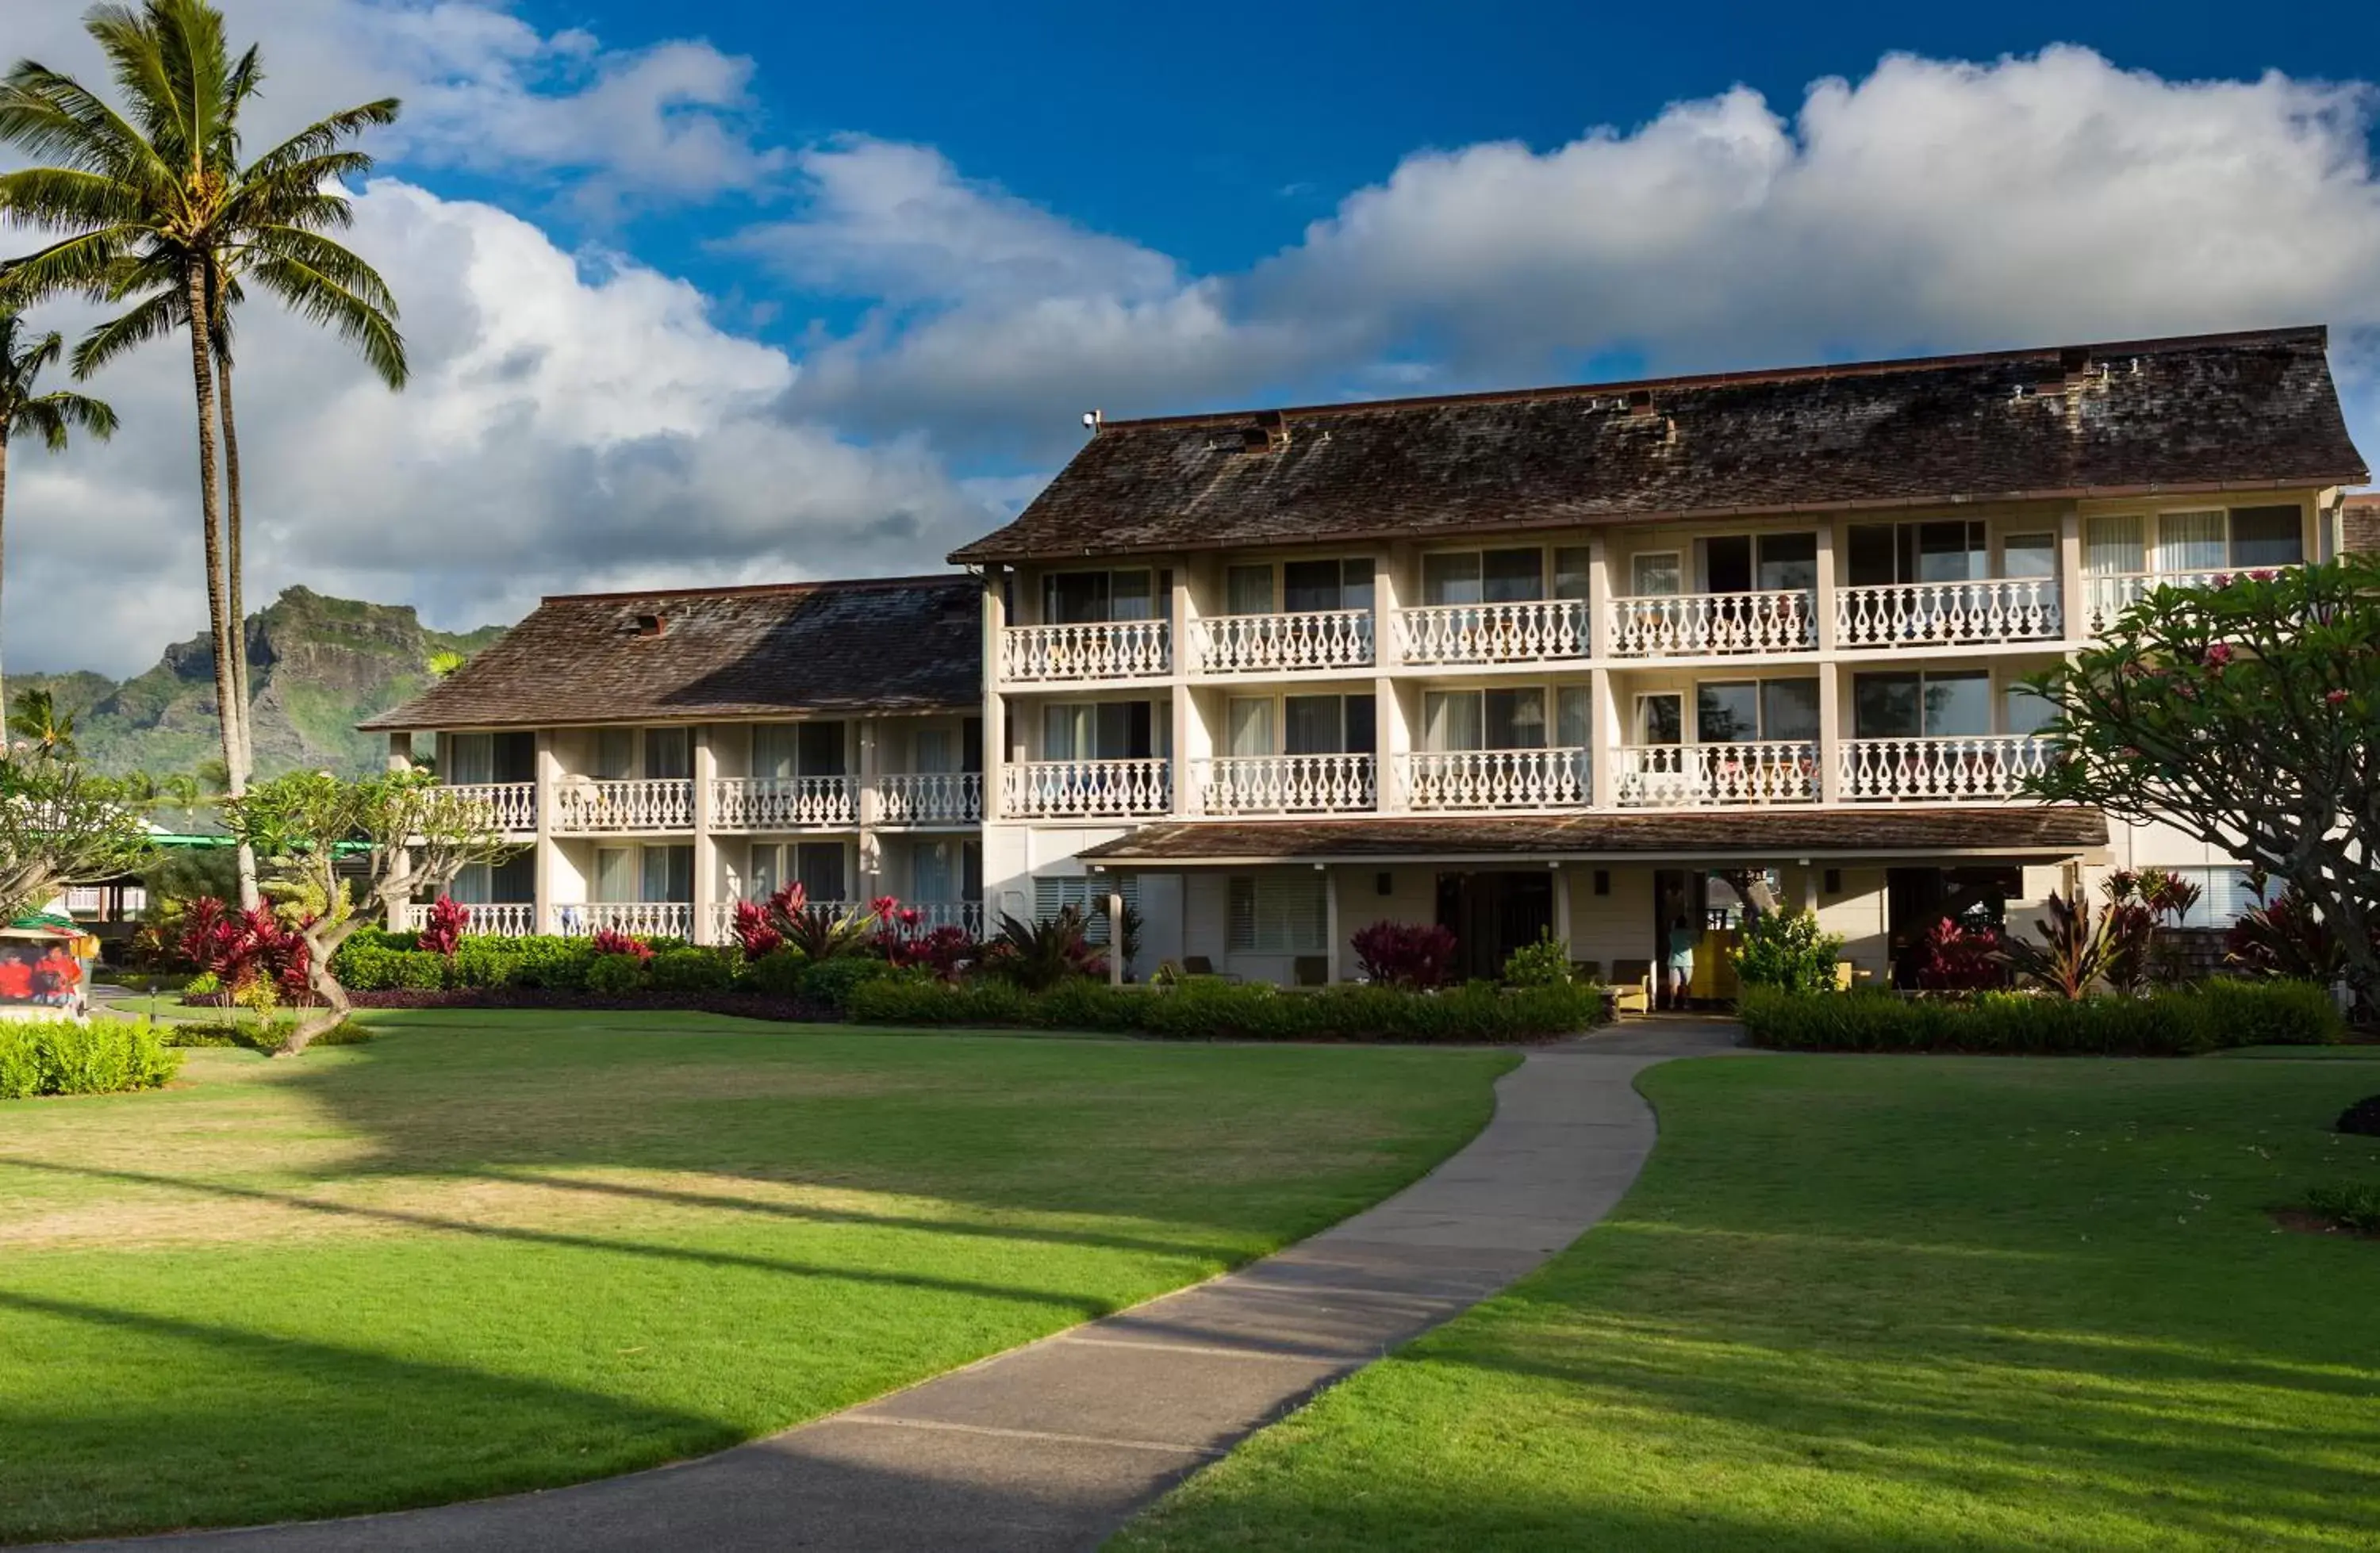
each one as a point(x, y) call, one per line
point(890, 645)
point(1709, 834)
point(2361, 523)
point(2231, 411)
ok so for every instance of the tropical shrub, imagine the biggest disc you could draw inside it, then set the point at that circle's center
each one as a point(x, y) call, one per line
point(611, 940)
point(1039, 955)
point(777, 974)
point(64, 1057)
point(2075, 949)
point(690, 969)
point(443, 930)
point(1404, 954)
point(2354, 1206)
point(1787, 952)
point(2214, 1015)
point(1956, 959)
point(616, 975)
point(2282, 935)
point(1201, 1009)
point(945, 951)
point(237, 946)
point(1543, 964)
point(830, 982)
point(754, 934)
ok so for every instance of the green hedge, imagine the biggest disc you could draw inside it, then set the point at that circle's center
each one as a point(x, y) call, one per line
point(60, 1057)
point(2217, 1013)
point(1231, 1010)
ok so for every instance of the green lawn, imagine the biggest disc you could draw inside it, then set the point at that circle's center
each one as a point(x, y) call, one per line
point(1868, 1303)
point(492, 1251)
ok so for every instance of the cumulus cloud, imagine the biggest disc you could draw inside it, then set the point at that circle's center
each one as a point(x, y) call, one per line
point(570, 425)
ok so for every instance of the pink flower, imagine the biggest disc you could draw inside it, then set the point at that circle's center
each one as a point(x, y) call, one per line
point(2223, 580)
point(2335, 698)
point(885, 905)
point(2261, 575)
point(2218, 655)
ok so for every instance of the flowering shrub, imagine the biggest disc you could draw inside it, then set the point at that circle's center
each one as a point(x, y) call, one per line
point(611, 940)
point(443, 929)
point(1404, 954)
point(1956, 959)
point(1543, 964)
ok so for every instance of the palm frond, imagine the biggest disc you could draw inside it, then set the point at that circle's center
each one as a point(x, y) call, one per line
point(334, 260)
point(52, 415)
point(322, 138)
point(64, 196)
point(79, 264)
point(319, 299)
point(52, 116)
point(160, 315)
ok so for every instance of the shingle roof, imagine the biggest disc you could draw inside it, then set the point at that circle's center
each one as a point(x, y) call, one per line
point(1711, 834)
point(890, 645)
point(2205, 412)
point(2363, 526)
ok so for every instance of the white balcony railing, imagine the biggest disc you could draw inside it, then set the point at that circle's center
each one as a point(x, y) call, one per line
point(509, 806)
point(650, 919)
point(583, 806)
point(783, 802)
point(1525, 632)
point(1285, 783)
point(1695, 776)
point(931, 915)
point(1942, 769)
point(1230, 644)
point(502, 919)
point(2110, 594)
point(1687, 624)
point(928, 798)
point(1086, 789)
point(1460, 780)
point(1948, 613)
point(1102, 649)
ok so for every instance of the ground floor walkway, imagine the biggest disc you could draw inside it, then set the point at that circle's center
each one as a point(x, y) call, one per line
point(1051, 1446)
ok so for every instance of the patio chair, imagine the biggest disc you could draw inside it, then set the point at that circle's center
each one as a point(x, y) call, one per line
point(1632, 987)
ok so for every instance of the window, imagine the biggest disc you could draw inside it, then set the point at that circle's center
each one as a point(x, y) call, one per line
point(2190, 541)
point(668, 873)
point(945, 871)
point(2224, 894)
point(472, 886)
point(1655, 574)
point(1311, 586)
point(470, 759)
point(1738, 711)
point(2115, 546)
point(936, 749)
point(2029, 555)
point(1572, 718)
point(2267, 537)
point(615, 754)
point(2021, 711)
point(1099, 731)
point(1087, 895)
point(1788, 562)
point(1909, 706)
point(1457, 720)
point(1249, 729)
point(1280, 914)
point(1491, 577)
point(1328, 726)
point(1570, 572)
point(669, 754)
point(1088, 598)
point(615, 873)
point(1660, 719)
point(818, 867)
point(1880, 554)
point(1249, 590)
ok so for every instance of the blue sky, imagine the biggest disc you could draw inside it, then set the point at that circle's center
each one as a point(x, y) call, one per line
point(743, 291)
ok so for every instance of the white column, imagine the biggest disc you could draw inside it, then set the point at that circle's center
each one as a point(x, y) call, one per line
point(400, 760)
point(706, 853)
point(2072, 606)
point(869, 763)
point(1830, 732)
point(1115, 933)
point(1188, 739)
point(549, 775)
point(995, 724)
point(1827, 581)
point(1331, 936)
point(1599, 593)
point(400, 752)
point(1391, 735)
point(1561, 912)
point(1607, 734)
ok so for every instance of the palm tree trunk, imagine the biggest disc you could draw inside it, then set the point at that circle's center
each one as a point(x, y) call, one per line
point(4, 516)
point(228, 710)
point(233, 566)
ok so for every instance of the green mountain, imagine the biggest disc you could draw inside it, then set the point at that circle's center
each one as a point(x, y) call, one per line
point(316, 667)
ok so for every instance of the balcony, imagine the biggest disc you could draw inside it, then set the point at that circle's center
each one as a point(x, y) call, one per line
point(1238, 644)
point(783, 802)
point(1531, 631)
point(1094, 650)
point(926, 798)
point(1671, 776)
point(645, 920)
point(1086, 789)
point(1488, 781)
point(1698, 624)
point(1285, 784)
point(507, 805)
point(1942, 769)
point(584, 807)
point(2109, 595)
point(504, 920)
point(1948, 613)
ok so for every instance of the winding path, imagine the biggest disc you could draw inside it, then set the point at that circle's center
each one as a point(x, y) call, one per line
point(1051, 1446)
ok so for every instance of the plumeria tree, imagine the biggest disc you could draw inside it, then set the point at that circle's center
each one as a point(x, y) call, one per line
point(60, 823)
point(2248, 715)
point(345, 852)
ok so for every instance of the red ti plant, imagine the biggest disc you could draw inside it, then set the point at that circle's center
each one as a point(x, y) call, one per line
point(2280, 936)
point(238, 947)
point(1956, 959)
point(611, 940)
point(754, 931)
point(2074, 953)
point(442, 931)
point(2130, 919)
point(1404, 954)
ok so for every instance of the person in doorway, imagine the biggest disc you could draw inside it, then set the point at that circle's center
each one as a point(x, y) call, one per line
point(1679, 957)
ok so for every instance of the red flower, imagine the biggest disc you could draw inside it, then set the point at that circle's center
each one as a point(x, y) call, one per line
point(2334, 698)
point(2218, 655)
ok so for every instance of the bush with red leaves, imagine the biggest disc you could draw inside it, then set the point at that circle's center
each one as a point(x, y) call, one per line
point(238, 947)
point(611, 940)
point(1405, 955)
point(442, 931)
point(1956, 959)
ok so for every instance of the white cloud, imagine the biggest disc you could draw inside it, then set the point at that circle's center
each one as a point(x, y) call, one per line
point(569, 426)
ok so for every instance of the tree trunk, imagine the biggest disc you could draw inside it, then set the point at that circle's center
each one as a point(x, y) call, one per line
point(335, 1006)
point(227, 707)
point(234, 568)
point(4, 516)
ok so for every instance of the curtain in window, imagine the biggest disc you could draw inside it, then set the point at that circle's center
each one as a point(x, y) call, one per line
point(1069, 731)
point(1249, 590)
point(1250, 729)
point(936, 749)
point(1789, 708)
point(1512, 577)
point(471, 887)
point(669, 752)
point(772, 749)
point(1278, 913)
point(1130, 596)
point(1451, 579)
point(470, 759)
point(1451, 719)
point(2191, 541)
point(2029, 555)
point(1655, 575)
point(819, 866)
point(768, 875)
point(933, 871)
point(615, 873)
point(668, 873)
point(2267, 537)
point(615, 754)
point(1313, 725)
point(1573, 716)
point(1570, 572)
point(2113, 546)
point(1517, 718)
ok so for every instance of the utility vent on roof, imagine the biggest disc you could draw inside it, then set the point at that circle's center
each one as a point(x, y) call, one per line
point(1640, 401)
point(645, 625)
point(1267, 433)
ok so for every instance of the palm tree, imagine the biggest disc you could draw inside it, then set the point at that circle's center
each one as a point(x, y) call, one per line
point(156, 202)
point(47, 416)
point(36, 718)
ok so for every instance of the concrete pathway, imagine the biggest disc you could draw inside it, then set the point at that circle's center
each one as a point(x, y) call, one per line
point(1053, 1445)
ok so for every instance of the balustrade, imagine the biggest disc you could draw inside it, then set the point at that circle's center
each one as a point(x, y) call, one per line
point(1696, 776)
point(1225, 644)
point(1520, 632)
point(928, 798)
point(647, 919)
point(783, 803)
point(1285, 783)
point(1459, 780)
point(502, 919)
point(508, 805)
point(2111, 594)
point(1942, 769)
point(1688, 624)
point(1913, 614)
point(1089, 650)
point(584, 806)
point(1086, 789)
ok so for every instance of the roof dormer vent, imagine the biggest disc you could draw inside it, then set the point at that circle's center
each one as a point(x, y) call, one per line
point(1640, 401)
point(1267, 433)
point(646, 626)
